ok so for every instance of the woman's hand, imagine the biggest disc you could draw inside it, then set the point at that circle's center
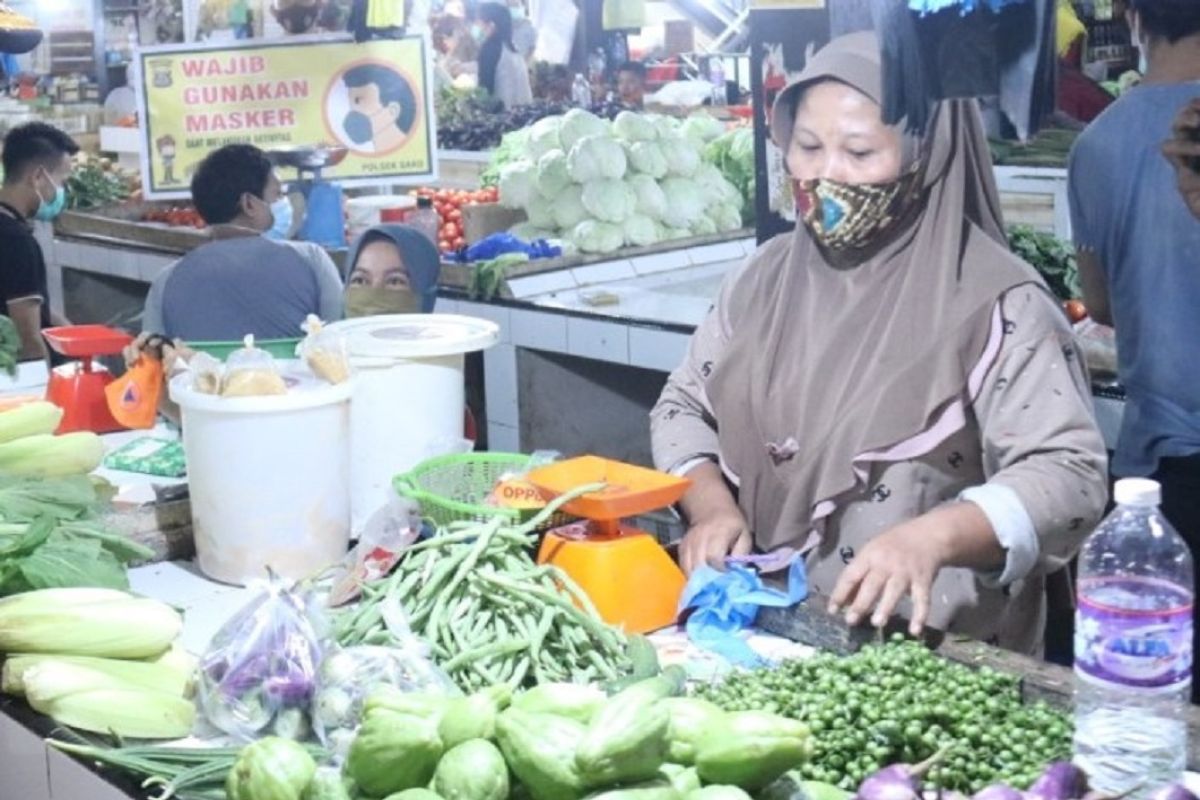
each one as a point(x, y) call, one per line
point(717, 525)
point(905, 561)
point(709, 540)
point(153, 345)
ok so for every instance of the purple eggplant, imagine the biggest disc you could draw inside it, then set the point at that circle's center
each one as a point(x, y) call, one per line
point(998, 791)
point(1062, 780)
point(899, 781)
point(1176, 791)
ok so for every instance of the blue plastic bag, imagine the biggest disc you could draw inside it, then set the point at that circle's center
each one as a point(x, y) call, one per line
point(499, 244)
point(722, 604)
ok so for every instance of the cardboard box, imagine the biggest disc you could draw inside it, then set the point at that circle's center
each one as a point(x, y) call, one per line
point(482, 220)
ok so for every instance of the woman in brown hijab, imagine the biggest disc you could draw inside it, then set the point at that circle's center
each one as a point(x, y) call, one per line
point(888, 389)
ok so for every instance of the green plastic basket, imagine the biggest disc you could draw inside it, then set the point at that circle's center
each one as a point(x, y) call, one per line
point(279, 348)
point(454, 488)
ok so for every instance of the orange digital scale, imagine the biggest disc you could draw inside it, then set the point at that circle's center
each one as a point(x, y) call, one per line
point(625, 572)
point(78, 387)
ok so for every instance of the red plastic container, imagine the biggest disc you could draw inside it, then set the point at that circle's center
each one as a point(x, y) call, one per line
point(78, 388)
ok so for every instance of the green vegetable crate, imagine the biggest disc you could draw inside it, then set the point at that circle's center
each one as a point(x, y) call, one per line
point(455, 488)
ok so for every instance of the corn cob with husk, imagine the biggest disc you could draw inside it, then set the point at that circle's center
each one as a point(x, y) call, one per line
point(87, 622)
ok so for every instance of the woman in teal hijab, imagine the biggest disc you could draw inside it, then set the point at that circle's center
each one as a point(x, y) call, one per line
point(393, 269)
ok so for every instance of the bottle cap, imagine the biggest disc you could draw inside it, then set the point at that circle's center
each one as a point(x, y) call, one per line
point(1137, 492)
point(424, 202)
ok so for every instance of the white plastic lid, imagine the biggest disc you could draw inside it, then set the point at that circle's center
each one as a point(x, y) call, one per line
point(407, 336)
point(1137, 492)
point(304, 391)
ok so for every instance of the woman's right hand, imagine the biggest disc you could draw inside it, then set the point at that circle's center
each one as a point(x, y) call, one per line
point(152, 344)
point(710, 540)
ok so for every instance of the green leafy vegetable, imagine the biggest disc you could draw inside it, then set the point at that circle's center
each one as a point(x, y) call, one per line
point(1050, 256)
point(733, 154)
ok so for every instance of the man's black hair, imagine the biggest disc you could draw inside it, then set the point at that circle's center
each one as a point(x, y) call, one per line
point(33, 145)
point(224, 176)
point(392, 89)
point(634, 67)
point(1168, 19)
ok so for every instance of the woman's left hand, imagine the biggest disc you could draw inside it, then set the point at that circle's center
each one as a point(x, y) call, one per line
point(906, 559)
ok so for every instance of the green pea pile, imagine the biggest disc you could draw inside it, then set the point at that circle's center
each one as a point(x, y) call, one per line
point(900, 703)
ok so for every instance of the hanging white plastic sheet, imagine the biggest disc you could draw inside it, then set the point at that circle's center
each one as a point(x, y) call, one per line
point(555, 23)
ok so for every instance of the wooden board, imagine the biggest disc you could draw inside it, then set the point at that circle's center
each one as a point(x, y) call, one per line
point(810, 624)
point(123, 224)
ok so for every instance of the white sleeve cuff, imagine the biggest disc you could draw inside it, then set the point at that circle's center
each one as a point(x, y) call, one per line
point(1013, 528)
point(684, 467)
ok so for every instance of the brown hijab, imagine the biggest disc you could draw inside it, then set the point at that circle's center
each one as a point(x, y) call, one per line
point(830, 368)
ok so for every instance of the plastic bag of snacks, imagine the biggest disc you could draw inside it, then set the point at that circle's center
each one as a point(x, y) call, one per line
point(324, 352)
point(258, 676)
point(251, 372)
point(207, 373)
point(350, 677)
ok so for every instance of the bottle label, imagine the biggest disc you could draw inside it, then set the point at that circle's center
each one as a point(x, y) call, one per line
point(1119, 644)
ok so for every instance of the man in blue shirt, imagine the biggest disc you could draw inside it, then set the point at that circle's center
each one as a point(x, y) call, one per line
point(247, 280)
point(1139, 259)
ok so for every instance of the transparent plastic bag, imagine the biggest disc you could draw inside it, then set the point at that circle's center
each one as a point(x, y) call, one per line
point(385, 537)
point(258, 676)
point(251, 372)
point(207, 373)
point(350, 675)
point(324, 352)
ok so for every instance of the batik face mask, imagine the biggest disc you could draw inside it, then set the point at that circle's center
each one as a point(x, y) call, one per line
point(848, 217)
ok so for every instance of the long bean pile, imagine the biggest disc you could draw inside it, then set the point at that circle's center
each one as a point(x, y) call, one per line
point(489, 613)
point(901, 703)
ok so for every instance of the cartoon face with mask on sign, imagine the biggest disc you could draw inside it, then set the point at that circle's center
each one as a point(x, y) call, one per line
point(383, 108)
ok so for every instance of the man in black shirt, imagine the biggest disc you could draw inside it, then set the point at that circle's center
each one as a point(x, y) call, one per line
point(37, 162)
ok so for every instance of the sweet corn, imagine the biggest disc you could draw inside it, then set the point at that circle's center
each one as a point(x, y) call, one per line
point(47, 456)
point(29, 419)
point(128, 713)
point(126, 628)
point(90, 672)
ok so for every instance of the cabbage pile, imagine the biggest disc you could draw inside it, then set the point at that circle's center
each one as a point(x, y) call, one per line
point(637, 181)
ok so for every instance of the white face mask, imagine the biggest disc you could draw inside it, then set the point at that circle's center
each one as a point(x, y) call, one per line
point(1143, 47)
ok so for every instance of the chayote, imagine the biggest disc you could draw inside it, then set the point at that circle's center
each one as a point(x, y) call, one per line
point(626, 742)
point(394, 752)
point(540, 750)
point(571, 700)
point(750, 749)
point(691, 719)
point(270, 769)
point(473, 770)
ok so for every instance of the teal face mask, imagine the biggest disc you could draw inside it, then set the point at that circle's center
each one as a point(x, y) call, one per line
point(48, 210)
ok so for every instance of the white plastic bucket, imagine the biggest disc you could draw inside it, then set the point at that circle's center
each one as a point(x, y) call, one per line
point(408, 396)
point(268, 478)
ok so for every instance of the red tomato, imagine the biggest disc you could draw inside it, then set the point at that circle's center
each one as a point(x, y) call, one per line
point(444, 246)
point(450, 230)
point(459, 242)
point(455, 215)
point(1076, 310)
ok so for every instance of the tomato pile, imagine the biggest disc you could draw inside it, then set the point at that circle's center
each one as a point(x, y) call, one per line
point(448, 203)
point(175, 216)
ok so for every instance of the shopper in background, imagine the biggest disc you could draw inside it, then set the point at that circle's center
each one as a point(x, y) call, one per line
point(246, 281)
point(887, 389)
point(631, 84)
point(1183, 151)
point(393, 270)
point(1079, 97)
point(524, 34)
point(458, 53)
point(37, 162)
point(1138, 244)
point(502, 71)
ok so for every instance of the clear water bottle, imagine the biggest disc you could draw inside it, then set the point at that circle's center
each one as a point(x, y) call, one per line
point(1133, 647)
point(716, 75)
point(581, 92)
